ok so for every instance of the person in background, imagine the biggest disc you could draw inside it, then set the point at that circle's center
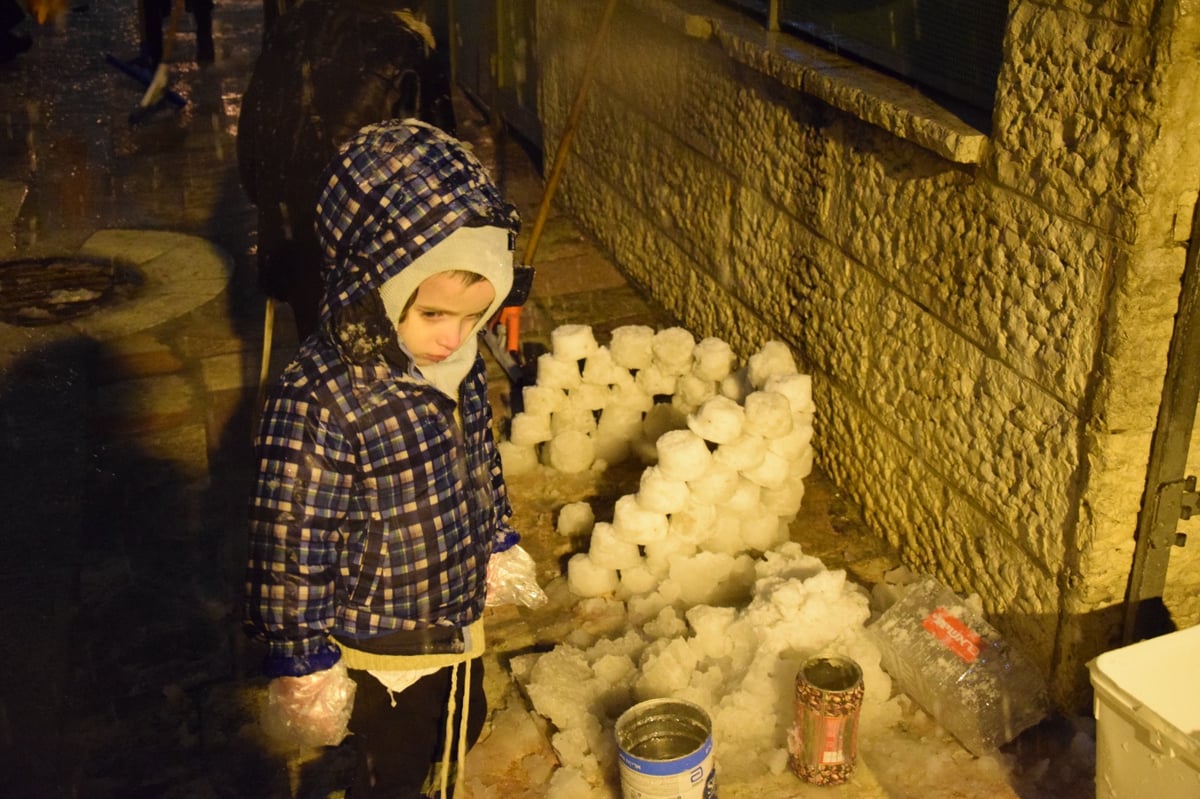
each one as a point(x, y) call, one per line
point(327, 68)
point(153, 13)
point(12, 44)
point(273, 10)
point(379, 500)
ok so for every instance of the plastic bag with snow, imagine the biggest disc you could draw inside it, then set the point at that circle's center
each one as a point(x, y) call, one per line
point(313, 710)
point(512, 579)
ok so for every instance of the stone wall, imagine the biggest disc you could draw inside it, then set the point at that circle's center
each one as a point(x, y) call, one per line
point(986, 316)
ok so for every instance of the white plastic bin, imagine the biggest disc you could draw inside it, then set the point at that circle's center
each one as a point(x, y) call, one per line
point(1147, 709)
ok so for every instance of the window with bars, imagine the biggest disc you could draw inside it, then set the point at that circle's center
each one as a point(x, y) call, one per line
point(950, 48)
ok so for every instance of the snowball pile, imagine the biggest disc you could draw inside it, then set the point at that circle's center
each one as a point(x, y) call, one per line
point(714, 603)
point(726, 449)
point(739, 664)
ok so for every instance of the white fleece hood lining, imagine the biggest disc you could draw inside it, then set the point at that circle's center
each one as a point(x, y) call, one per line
point(482, 250)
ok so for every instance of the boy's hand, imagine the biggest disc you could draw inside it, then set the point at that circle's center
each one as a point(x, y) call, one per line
point(313, 710)
point(512, 579)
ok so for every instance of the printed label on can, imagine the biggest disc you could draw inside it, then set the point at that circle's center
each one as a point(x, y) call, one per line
point(690, 777)
point(822, 742)
point(831, 751)
point(954, 635)
point(666, 751)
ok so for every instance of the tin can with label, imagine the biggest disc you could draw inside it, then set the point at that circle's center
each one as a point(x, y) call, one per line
point(666, 751)
point(823, 740)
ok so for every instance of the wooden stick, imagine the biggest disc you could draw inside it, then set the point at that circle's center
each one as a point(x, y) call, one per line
point(564, 144)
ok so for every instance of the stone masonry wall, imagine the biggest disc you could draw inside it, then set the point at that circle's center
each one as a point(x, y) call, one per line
point(987, 338)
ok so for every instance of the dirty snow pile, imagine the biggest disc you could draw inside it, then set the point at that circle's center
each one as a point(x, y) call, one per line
point(716, 605)
point(739, 664)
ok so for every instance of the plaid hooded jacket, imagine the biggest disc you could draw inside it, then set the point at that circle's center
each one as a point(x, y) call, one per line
point(374, 510)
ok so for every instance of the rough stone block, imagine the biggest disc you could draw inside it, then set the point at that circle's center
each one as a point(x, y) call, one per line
point(686, 194)
point(1096, 108)
point(936, 529)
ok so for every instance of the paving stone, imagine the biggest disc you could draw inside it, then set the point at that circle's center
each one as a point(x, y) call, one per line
point(144, 404)
point(139, 355)
point(588, 271)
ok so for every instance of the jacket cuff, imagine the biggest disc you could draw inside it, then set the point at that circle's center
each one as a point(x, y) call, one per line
point(505, 539)
point(318, 658)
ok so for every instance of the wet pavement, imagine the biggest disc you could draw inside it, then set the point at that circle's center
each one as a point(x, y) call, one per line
point(127, 431)
point(127, 428)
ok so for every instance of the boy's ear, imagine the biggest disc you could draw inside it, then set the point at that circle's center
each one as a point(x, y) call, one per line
point(521, 286)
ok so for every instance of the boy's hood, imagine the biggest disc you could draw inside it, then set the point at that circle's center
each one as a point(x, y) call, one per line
point(395, 191)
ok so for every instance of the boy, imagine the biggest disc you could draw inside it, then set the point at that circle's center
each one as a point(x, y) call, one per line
point(380, 498)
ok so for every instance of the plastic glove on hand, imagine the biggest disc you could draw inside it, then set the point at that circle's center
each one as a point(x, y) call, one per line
point(313, 710)
point(512, 579)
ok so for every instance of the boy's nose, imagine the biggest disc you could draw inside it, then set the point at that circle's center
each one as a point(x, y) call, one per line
point(456, 334)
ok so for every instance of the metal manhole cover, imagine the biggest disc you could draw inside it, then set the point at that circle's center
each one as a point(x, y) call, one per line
point(47, 291)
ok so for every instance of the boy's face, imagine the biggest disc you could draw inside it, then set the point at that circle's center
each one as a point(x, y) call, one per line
point(443, 314)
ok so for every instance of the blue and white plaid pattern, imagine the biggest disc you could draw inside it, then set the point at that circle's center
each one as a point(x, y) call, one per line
point(365, 211)
point(374, 511)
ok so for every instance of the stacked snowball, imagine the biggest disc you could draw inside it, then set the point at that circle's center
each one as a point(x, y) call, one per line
point(737, 663)
point(726, 450)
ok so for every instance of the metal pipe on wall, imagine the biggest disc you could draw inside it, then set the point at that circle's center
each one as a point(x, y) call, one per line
point(1170, 494)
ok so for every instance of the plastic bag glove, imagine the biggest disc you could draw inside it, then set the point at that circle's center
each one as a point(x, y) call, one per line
point(313, 710)
point(512, 579)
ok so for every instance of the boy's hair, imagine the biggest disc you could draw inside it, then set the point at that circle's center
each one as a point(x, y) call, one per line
point(467, 277)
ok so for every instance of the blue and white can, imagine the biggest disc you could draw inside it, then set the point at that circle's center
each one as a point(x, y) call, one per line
point(666, 750)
